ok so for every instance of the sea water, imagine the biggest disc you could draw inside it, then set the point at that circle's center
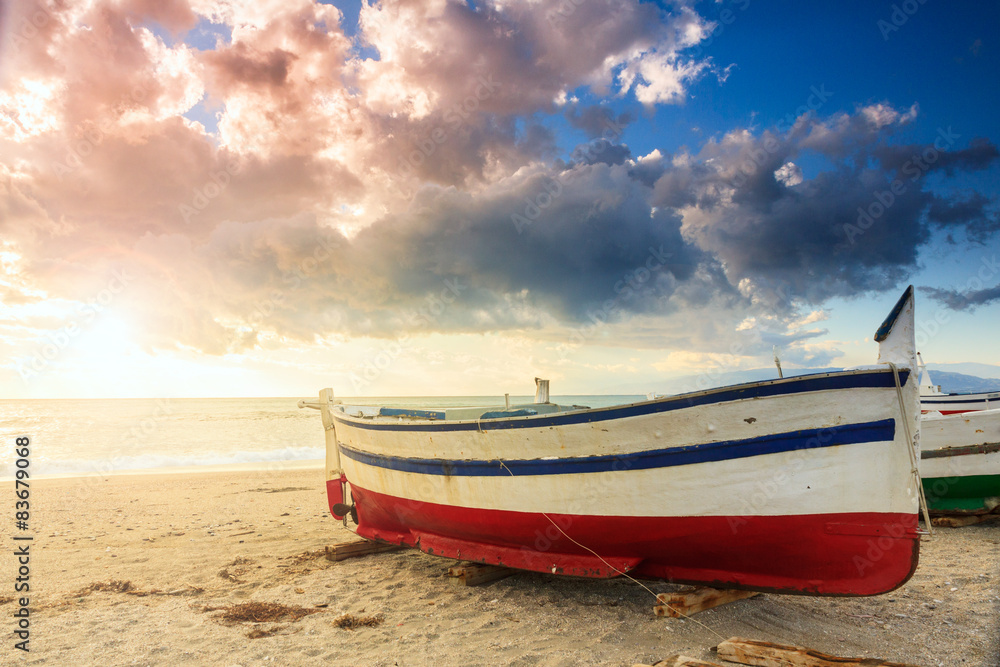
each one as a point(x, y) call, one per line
point(106, 436)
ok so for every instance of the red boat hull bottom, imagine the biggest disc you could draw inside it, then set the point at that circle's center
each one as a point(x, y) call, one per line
point(815, 554)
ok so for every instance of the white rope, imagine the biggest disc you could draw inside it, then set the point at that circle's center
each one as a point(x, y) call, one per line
point(914, 470)
point(621, 572)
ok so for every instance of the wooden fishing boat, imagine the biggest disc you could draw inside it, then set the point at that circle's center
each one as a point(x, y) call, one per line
point(960, 462)
point(932, 399)
point(800, 485)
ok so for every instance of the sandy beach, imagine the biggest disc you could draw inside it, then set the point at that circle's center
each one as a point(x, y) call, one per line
point(141, 570)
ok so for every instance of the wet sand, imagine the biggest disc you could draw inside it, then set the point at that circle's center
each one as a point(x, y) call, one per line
point(191, 546)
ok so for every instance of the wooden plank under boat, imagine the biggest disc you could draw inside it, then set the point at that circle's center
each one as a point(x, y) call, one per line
point(798, 485)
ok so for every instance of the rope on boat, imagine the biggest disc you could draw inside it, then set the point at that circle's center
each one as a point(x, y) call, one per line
point(621, 572)
point(914, 470)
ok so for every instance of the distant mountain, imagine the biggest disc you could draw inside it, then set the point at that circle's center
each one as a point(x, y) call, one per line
point(951, 382)
point(959, 383)
point(971, 369)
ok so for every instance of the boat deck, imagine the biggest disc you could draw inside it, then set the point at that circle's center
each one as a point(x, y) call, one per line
point(382, 413)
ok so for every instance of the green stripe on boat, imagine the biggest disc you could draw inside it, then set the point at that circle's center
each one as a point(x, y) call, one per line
point(975, 493)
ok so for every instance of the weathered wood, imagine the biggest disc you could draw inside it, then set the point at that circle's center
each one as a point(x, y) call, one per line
point(959, 521)
point(765, 654)
point(692, 600)
point(344, 550)
point(476, 575)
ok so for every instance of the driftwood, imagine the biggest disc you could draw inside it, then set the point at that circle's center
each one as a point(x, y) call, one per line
point(766, 654)
point(691, 601)
point(345, 550)
point(477, 575)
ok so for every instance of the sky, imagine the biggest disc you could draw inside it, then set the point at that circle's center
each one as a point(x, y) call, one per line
point(438, 197)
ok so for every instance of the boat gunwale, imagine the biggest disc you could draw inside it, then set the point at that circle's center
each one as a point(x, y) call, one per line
point(566, 416)
point(956, 397)
point(964, 450)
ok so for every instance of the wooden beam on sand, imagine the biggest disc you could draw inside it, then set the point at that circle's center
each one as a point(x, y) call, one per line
point(692, 600)
point(477, 575)
point(680, 661)
point(959, 521)
point(766, 654)
point(345, 550)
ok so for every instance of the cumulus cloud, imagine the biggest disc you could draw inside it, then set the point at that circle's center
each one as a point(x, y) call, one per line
point(660, 78)
point(387, 182)
point(788, 174)
point(852, 228)
point(534, 50)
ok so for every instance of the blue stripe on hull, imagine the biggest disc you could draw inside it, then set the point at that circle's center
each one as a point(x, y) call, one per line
point(877, 431)
point(799, 385)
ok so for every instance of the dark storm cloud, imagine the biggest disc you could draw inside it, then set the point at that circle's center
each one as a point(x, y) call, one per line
point(942, 154)
point(854, 228)
point(974, 214)
point(598, 121)
point(559, 244)
point(601, 151)
point(800, 237)
point(958, 211)
point(968, 300)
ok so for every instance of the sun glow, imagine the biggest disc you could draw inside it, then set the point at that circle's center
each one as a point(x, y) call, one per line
point(27, 112)
point(109, 345)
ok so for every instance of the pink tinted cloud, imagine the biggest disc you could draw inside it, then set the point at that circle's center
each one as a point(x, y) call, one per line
point(111, 176)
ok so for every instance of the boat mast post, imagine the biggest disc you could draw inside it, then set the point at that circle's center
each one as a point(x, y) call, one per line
point(333, 469)
point(341, 506)
point(541, 390)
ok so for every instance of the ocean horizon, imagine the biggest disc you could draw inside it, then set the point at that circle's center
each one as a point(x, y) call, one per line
point(105, 436)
